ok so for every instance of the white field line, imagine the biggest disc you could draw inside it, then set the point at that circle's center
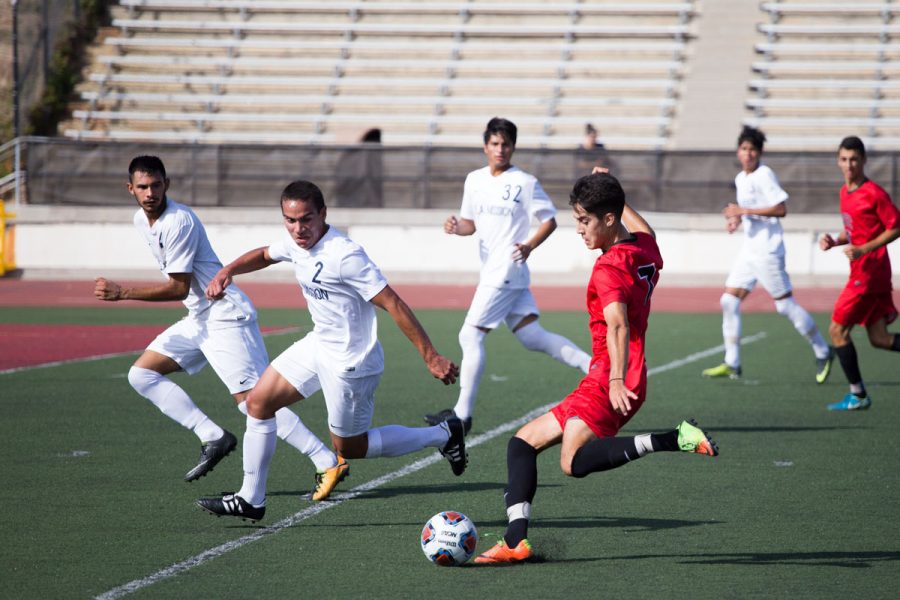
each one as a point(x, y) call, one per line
point(212, 553)
point(57, 363)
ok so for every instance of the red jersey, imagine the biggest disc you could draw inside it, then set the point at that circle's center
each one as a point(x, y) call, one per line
point(867, 212)
point(626, 273)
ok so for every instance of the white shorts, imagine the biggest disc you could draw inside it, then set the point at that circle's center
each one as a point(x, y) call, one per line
point(350, 400)
point(236, 352)
point(767, 269)
point(492, 306)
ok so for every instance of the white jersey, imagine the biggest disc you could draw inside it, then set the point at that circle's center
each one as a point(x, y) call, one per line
point(502, 208)
point(760, 189)
point(338, 280)
point(179, 243)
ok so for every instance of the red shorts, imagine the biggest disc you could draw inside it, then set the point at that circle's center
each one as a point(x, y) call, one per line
point(590, 403)
point(854, 308)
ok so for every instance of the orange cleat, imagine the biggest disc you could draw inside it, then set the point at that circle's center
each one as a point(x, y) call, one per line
point(327, 480)
point(501, 553)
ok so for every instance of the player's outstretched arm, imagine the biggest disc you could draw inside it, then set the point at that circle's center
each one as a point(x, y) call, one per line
point(176, 288)
point(254, 260)
point(635, 222)
point(617, 332)
point(440, 366)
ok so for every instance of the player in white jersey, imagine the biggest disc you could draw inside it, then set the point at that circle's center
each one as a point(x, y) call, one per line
point(341, 355)
point(499, 202)
point(760, 204)
point(223, 333)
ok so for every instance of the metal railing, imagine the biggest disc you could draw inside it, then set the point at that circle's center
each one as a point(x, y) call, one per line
point(66, 172)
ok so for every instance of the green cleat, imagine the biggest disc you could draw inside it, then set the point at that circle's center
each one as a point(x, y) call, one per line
point(723, 370)
point(823, 366)
point(693, 439)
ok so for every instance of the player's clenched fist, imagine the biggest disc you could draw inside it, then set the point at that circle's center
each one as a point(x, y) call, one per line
point(451, 225)
point(107, 290)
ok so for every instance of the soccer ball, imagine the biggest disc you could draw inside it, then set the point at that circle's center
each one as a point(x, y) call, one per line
point(449, 539)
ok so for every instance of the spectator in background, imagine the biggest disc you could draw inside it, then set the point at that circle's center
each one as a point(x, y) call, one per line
point(590, 153)
point(361, 173)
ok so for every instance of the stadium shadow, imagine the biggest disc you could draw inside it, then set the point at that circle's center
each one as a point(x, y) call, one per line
point(850, 560)
point(629, 524)
point(402, 490)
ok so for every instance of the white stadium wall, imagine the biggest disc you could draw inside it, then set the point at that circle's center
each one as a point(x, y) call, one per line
point(409, 245)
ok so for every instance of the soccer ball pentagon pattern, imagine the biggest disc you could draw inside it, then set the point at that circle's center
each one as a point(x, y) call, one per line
point(449, 539)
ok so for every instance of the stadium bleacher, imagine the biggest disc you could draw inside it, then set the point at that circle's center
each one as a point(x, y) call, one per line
point(828, 69)
point(426, 73)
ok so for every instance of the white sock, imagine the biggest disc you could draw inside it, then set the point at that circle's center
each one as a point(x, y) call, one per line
point(173, 402)
point(731, 329)
point(397, 440)
point(259, 447)
point(471, 339)
point(522, 510)
point(293, 431)
point(536, 338)
point(803, 323)
point(642, 444)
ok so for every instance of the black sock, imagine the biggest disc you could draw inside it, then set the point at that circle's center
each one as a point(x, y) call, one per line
point(521, 465)
point(665, 442)
point(603, 454)
point(895, 345)
point(850, 364)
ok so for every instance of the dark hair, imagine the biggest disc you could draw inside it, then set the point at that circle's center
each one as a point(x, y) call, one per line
point(305, 191)
point(853, 143)
point(372, 135)
point(502, 127)
point(599, 194)
point(146, 164)
point(752, 135)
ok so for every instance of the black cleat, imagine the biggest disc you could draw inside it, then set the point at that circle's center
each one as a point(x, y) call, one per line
point(210, 455)
point(231, 505)
point(455, 448)
point(439, 417)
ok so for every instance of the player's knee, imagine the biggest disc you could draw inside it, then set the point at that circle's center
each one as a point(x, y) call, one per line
point(470, 337)
point(839, 334)
point(142, 379)
point(729, 302)
point(881, 339)
point(783, 306)
point(352, 447)
point(259, 406)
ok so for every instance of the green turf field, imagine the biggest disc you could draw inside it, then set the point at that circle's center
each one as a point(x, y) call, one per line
point(801, 503)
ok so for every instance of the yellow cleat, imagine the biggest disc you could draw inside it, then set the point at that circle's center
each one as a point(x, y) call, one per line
point(823, 367)
point(328, 479)
point(723, 370)
point(501, 553)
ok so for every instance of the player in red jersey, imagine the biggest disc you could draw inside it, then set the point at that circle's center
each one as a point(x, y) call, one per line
point(871, 222)
point(587, 420)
